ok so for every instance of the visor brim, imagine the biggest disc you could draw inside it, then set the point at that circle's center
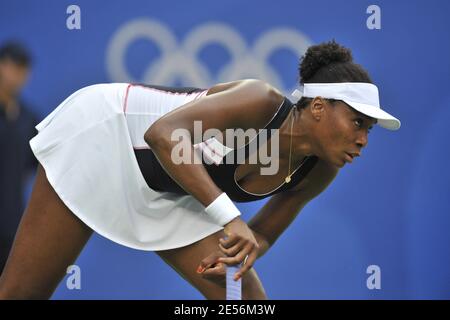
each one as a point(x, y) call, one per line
point(384, 119)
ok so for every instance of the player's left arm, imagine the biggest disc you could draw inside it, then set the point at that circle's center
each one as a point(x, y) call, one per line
point(282, 208)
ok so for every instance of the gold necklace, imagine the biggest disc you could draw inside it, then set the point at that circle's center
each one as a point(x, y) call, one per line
point(288, 177)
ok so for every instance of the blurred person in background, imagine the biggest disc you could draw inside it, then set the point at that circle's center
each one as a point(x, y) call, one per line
point(17, 124)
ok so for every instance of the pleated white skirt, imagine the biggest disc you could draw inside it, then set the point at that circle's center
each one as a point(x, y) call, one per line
point(86, 148)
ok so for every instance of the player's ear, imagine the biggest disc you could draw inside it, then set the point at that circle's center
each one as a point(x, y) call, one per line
point(317, 108)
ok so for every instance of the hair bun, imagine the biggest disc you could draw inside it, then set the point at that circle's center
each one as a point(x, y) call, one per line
point(321, 55)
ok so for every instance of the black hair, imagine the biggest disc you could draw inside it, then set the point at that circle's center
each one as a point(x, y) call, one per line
point(15, 52)
point(329, 62)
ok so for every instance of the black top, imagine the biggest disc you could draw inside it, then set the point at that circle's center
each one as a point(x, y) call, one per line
point(223, 173)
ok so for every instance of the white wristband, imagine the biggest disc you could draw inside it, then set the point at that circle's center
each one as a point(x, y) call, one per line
point(222, 210)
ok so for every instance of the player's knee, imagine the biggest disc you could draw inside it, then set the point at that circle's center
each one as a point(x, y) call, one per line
point(254, 293)
point(23, 295)
point(252, 288)
point(17, 291)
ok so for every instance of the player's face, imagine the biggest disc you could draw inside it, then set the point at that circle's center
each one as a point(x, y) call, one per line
point(342, 133)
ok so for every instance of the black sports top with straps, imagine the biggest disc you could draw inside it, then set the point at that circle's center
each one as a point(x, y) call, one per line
point(223, 174)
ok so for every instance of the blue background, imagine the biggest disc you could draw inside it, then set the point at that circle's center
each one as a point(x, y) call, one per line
point(389, 208)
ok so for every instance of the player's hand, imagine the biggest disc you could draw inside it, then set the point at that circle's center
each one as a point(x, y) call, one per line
point(240, 246)
point(213, 270)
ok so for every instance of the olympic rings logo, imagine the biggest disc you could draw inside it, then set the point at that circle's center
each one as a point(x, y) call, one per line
point(179, 60)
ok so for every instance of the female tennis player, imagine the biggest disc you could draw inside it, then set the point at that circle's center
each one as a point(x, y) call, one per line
point(109, 162)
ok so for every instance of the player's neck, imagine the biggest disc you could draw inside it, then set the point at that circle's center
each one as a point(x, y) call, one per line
point(301, 139)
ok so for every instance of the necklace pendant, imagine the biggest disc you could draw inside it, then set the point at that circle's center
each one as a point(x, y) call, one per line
point(288, 179)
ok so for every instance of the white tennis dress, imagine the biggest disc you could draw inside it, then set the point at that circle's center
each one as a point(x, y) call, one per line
point(86, 148)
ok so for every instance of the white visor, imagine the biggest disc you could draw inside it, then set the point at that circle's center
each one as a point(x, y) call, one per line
point(361, 96)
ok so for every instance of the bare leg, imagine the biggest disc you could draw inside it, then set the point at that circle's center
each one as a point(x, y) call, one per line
point(185, 261)
point(49, 239)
